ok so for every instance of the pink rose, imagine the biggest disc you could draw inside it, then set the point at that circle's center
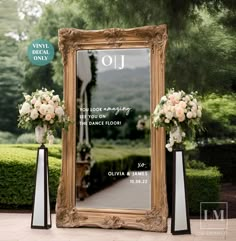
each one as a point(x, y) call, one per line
point(48, 117)
point(182, 104)
point(179, 111)
point(33, 101)
point(181, 118)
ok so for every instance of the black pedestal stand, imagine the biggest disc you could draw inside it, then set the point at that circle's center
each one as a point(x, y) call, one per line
point(41, 215)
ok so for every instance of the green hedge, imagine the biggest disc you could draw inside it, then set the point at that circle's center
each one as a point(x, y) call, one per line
point(17, 170)
point(223, 156)
point(202, 186)
point(17, 173)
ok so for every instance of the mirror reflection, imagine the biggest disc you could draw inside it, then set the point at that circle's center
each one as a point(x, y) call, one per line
point(113, 163)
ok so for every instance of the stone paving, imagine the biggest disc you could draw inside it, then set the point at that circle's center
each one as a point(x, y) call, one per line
point(16, 227)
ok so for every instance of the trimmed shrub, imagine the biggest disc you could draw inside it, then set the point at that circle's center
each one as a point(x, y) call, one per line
point(17, 175)
point(202, 186)
point(7, 137)
point(194, 164)
point(29, 138)
point(203, 183)
point(26, 138)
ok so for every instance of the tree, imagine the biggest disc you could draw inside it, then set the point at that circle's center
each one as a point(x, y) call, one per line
point(200, 53)
point(11, 77)
point(54, 17)
point(9, 19)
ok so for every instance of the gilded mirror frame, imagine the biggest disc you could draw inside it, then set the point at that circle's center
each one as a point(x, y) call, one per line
point(67, 214)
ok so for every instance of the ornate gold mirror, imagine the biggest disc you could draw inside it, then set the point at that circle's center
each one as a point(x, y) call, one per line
point(113, 164)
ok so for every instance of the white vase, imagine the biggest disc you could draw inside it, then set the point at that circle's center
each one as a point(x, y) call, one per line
point(41, 134)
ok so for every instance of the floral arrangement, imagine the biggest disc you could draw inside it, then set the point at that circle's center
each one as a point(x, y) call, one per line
point(83, 149)
point(180, 114)
point(43, 109)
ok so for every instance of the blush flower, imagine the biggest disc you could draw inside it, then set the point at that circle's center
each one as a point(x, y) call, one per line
point(43, 109)
point(34, 114)
point(25, 109)
point(177, 111)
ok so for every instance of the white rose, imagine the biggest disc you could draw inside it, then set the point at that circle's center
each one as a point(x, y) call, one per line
point(43, 109)
point(25, 109)
point(27, 97)
point(50, 109)
point(167, 121)
point(50, 102)
point(156, 110)
point(199, 113)
point(169, 115)
point(34, 114)
point(37, 104)
point(59, 111)
point(56, 98)
point(194, 108)
point(189, 115)
point(156, 119)
point(171, 140)
point(187, 98)
point(169, 147)
point(163, 98)
point(191, 103)
point(194, 114)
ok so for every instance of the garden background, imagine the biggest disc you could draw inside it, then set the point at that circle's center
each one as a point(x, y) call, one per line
point(201, 56)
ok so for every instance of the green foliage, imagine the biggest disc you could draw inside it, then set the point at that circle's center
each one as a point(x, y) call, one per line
point(26, 138)
point(202, 186)
point(203, 57)
point(10, 79)
point(223, 156)
point(219, 116)
point(201, 49)
point(53, 151)
point(29, 138)
point(7, 138)
point(17, 171)
point(8, 13)
point(111, 152)
point(195, 164)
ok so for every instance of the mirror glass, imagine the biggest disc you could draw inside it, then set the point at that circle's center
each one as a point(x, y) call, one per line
point(113, 162)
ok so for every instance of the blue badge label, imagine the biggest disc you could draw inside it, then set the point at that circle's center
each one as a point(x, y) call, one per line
point(40, 52)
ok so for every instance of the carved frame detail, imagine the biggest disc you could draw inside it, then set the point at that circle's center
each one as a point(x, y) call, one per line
point(67, 215)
